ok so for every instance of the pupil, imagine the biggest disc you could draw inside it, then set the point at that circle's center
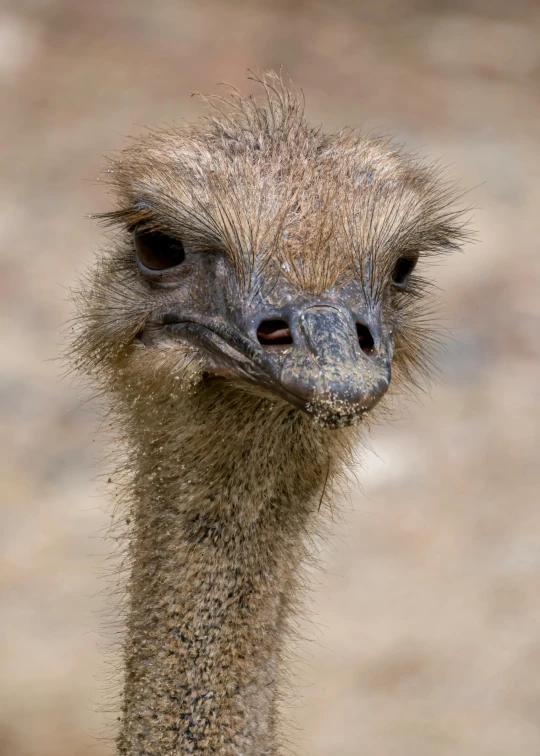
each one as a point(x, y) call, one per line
point(402, 271)
point(158, 251)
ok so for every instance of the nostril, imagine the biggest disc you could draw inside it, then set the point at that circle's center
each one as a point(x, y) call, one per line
point(274, 335)
point(365, 339)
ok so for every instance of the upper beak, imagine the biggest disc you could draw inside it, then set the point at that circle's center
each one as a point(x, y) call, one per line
point(336, 378)
point(328, 371)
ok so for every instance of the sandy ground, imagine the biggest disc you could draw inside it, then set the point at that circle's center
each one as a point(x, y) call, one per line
point(426, 637)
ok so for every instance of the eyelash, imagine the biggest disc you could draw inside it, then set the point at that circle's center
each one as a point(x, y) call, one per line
point(158, 252)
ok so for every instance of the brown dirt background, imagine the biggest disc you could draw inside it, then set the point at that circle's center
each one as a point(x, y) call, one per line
point(426, 638)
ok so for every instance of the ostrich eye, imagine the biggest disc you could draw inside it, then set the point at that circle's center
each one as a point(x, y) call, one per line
point(402, 270)
point(157, 251)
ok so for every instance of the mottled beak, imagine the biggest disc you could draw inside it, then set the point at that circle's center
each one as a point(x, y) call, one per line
point(325, 357)
point(335, 367)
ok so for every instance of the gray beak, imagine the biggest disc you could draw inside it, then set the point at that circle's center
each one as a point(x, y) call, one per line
point(335, 374)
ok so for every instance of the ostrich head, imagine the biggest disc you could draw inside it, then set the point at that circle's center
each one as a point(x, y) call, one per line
point(259, 255)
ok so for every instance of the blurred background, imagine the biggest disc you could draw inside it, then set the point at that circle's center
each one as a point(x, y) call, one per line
point(426, 637)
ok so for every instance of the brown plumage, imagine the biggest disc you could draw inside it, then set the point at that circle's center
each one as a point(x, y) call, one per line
point(247, 316)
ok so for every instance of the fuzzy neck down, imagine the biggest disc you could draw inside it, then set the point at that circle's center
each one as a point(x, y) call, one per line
point(225, 491)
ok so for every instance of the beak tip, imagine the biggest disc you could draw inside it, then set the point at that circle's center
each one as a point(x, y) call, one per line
point(339, 395)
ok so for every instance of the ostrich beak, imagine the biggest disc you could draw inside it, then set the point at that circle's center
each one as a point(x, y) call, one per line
point(319, 357)
point(337, 368)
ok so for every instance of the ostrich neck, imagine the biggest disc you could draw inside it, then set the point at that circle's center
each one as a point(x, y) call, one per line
point(220, 509)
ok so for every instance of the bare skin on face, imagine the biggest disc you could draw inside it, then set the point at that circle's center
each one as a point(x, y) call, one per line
point(265, 292)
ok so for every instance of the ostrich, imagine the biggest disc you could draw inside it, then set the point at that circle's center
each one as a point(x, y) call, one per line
point(259, 290)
